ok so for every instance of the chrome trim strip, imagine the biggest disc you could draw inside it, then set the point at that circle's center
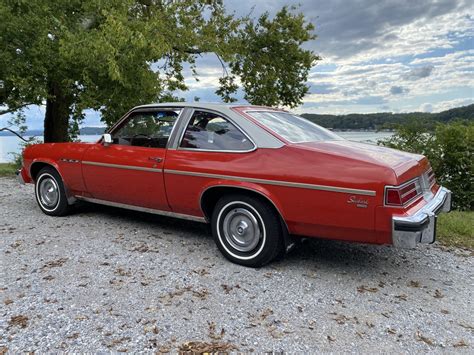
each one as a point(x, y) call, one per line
point(274, 182)
point(128, 167)
point(143, 209)
point(67, 160)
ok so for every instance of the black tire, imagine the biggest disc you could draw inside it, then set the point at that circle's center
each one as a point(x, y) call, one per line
point(265, 236)
point(49, 177)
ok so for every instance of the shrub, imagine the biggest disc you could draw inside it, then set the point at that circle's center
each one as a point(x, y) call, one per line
point(449, 148)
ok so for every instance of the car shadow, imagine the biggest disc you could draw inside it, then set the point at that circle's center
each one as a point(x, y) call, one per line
point(170, 224)
point(340, 256)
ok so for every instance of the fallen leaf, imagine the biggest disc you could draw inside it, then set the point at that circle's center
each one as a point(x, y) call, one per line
point(424, 339)
point(20, 321)
point(54, 263)
point(415, 284)
point(402, 297)
point(460, 343)
point(363, 289)
point(198, 347)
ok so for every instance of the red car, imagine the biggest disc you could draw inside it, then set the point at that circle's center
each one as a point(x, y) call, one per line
point(260, 176)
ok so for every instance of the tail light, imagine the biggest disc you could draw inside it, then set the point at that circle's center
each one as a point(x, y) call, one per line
point(430, 177)
point(403, 194)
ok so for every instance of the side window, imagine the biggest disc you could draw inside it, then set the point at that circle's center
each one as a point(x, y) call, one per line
point(209, 131)
point(147, 129)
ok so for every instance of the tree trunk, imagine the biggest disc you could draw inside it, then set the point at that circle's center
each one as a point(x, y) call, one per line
point(56, 121)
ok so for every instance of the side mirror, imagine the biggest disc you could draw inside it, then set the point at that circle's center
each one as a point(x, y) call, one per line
point(106, 139)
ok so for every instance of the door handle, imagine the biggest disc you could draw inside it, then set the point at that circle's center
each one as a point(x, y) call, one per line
point(156, 159)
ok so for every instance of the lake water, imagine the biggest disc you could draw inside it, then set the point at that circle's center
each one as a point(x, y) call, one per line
point(12, 144)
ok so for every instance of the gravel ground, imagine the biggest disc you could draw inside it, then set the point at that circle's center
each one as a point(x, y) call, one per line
point(105, 279)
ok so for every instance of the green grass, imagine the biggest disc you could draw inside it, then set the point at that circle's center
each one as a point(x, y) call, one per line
point(7, 169)
point(456, 229)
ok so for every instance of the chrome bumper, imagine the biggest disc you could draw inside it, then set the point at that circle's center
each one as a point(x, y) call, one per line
point(408, 231)
point(20, 177)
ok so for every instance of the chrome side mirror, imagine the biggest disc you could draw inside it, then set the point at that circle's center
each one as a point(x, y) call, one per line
point(106, 139)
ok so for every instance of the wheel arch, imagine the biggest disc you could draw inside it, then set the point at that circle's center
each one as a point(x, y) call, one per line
point(211, 194)
point(36, 167)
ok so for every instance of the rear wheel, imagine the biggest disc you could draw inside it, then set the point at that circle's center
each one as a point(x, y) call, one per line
point(247, 230)
point(50, 193)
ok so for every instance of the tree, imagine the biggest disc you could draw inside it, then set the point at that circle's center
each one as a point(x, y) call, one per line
point(112, 55)
point(450, 150)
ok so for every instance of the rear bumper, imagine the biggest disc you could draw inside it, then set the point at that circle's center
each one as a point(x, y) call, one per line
point(420, 227)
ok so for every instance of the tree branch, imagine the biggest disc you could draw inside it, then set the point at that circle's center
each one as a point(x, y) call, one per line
point(16, 134)
point(189, 50)
point(10, 110)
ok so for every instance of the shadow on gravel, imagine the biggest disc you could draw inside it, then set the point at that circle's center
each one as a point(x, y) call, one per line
point(174, 225)
point(323, 254)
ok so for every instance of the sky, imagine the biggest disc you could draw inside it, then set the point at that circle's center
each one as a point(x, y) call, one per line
point(378, 55)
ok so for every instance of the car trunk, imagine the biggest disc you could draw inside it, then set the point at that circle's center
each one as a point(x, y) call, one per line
point(405, 166)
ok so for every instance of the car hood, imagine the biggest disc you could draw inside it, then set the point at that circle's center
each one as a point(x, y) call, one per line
point(404, 164)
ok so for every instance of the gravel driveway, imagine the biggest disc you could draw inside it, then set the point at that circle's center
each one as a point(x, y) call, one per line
point(105, 279)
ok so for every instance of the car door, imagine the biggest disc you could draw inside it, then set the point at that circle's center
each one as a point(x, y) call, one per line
point(209, 144)
point(130, 169)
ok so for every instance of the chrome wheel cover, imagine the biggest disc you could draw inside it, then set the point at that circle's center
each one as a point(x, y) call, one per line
point(241, 229)
point(48, 192)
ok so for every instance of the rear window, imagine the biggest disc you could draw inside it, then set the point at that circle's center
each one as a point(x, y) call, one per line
point(293, 128)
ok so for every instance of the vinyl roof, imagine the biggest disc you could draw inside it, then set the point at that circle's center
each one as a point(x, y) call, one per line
point(205, 105)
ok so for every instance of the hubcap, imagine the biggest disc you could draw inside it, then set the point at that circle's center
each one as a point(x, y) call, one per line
point(241, 229)
point(49, 193)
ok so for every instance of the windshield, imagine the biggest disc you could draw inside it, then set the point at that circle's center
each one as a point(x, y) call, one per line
point(293, 128)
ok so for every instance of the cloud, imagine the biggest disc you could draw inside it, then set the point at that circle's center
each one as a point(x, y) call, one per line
point(426, 107)
point(397, 90)
point(420, 72)
point(397, 55)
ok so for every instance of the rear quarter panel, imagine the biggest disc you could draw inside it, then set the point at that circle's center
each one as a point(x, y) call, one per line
point(308, 212)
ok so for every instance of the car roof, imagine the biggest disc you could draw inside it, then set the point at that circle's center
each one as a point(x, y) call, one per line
point(204, 105)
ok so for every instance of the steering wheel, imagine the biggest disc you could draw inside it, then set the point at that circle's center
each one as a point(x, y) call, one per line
point(139, 135)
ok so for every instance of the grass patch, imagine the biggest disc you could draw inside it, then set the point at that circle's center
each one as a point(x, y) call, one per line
point(7, 169)
point(456, 229)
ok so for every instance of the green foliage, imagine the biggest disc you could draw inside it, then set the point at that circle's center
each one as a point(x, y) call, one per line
point(450, 150)
point(113, 55)
point(456, 229)
point(388, 120)
point(7, 169)
point(272, 66)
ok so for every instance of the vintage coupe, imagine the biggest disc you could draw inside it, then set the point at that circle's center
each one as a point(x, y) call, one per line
point(261, 176)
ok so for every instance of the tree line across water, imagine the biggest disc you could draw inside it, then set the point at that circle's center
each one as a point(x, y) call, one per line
point(388, 120)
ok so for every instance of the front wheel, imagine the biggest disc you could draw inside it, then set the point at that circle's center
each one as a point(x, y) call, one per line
point(247, 230)
point(50, 193)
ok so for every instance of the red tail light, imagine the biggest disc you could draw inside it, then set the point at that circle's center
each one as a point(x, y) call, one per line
point(403, 194)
